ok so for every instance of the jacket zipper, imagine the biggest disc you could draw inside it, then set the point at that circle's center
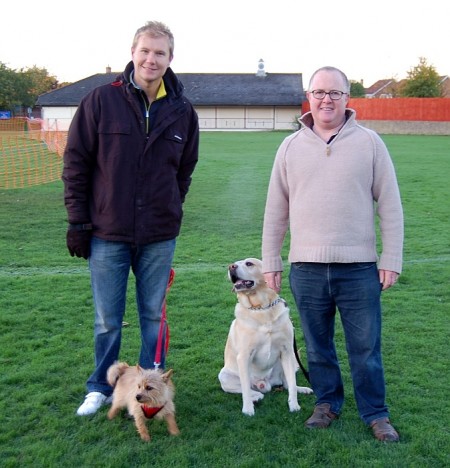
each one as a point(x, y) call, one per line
point(147, 117)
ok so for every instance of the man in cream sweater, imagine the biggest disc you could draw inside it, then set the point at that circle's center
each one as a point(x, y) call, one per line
point(329, 182)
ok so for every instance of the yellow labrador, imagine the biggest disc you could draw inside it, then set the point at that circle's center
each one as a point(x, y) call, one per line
point(259, 352)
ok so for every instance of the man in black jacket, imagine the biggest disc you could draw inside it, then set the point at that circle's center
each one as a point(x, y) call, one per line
point(131, 151)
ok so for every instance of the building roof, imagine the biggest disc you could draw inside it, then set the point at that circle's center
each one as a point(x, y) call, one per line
point(377, 88)
point(203, 89)
point(71, 95)
point(238, 89)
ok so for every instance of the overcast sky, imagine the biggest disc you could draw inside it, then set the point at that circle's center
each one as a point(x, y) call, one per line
point(367, 40)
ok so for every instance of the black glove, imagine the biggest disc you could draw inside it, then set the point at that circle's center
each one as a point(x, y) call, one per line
point(79, 240)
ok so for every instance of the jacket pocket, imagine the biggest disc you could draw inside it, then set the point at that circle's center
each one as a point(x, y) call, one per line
point(174, 135)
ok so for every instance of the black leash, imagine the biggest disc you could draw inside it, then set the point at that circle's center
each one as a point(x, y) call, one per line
point(305, 372)
point(297, 356)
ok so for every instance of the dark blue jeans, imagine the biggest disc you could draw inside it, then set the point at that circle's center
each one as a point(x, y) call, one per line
point(355, 290)
point(110, 264)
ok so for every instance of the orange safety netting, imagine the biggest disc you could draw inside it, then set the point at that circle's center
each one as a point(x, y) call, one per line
point(29, 155)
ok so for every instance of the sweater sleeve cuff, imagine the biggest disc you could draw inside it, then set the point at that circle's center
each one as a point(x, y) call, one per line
point(271, 264)
point(390, 263)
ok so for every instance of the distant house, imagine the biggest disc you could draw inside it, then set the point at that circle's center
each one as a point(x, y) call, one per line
point(389, 88)
point(381, 89)
point(223, 101)
point(445, 86)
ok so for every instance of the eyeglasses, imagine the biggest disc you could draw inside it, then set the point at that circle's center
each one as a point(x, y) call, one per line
point(334, 95)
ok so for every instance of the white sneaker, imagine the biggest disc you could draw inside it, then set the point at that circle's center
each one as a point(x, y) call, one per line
point(92, 403)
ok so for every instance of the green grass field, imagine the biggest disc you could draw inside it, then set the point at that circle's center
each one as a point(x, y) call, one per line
point(46, 319)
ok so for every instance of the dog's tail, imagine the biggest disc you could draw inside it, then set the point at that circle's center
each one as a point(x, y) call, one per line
point(115, 371)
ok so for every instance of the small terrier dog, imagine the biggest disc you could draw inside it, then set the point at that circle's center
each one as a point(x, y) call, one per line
point(147, 393)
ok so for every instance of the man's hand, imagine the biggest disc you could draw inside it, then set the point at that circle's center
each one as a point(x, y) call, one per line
point(388, 278)
point(273, 280)
point(79, 242)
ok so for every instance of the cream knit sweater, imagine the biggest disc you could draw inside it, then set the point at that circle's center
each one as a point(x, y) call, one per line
point(328, 196)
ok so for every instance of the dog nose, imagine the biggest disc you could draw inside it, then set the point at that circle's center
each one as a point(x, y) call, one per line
point(232, 267)
point(138, 397)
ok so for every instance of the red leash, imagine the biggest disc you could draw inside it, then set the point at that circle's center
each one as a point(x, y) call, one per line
point(163, 326)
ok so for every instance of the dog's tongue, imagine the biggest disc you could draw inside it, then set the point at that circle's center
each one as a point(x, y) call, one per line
point(149, 411)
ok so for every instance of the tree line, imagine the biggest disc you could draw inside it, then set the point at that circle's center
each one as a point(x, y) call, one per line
point(20, 88)
point(422, 81)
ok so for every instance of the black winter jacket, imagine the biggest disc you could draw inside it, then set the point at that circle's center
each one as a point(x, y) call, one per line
point(128, 183)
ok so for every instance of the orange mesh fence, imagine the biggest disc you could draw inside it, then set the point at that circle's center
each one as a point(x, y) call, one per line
point(401, 109)
point(29, 155)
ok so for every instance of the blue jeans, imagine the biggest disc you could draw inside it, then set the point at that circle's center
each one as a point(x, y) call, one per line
point(355, 290)
point(110, 264)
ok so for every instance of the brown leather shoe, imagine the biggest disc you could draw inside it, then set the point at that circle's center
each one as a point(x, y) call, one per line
point(322, 417)
point(384, 431)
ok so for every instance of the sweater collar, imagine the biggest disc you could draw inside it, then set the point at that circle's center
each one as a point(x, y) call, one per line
point(307, 120)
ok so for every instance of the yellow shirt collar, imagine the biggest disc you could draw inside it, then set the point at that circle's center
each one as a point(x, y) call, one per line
point(161, 91)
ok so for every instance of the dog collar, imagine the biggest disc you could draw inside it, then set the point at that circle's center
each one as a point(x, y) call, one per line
point(150, 412)
point(272, 304)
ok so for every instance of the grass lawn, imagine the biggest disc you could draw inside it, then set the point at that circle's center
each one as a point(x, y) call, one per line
point(46, 333)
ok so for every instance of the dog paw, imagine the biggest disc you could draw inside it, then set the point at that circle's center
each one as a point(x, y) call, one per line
point(256, 396)
point(305, 390)
point(173, 429)
point(248, 410)
point(294, 406)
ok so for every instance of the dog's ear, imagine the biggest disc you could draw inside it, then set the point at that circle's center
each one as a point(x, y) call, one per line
point(167, 375)
point(139, 368)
